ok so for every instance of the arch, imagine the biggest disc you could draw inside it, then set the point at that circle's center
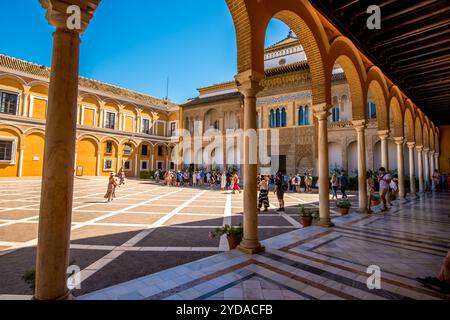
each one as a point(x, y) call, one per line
point(432, 144)
point(88, 136)
point(418, 132)
point(35, 83)
point(283, 118)
point(395, 111)
point(13, 128)
point(87, 152)
point(105, 139)
point(34, 131)
point(376, 84)
point(33, 155)
point(344, 53)
point(10, 76)
point(334, 155)
point(409, 126)
point(426, 136)
point(277, 118)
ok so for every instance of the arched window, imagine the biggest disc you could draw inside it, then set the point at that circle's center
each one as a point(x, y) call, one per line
point(335, 114)
point(283, 118)
point(301, 119)
point(278, 118)
point(272, 119)
point(372, 110)
point(306, 116)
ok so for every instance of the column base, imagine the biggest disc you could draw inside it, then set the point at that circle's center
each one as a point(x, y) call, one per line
point(325, 223)
point(362, 210)
point(67, 296)
point(254, 250)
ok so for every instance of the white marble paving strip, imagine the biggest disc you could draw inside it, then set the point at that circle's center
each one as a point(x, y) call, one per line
point(226, 221)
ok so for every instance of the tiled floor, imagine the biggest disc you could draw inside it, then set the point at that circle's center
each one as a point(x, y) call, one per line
point(148, 228)
point(316, 263)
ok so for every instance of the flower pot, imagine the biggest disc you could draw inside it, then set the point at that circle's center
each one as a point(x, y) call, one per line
point(306, 221)
point(344, 211)
point(374, 203)
point(233, 242)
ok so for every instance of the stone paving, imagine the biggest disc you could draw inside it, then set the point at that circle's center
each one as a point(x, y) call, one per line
point(146, 229)
point(316, 263)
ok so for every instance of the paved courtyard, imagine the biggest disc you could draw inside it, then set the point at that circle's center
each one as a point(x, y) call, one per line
point(146, 229)
point(152, 243)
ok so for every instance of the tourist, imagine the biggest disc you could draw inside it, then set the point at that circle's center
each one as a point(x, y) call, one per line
point(111, 190)
point(436, 180)
point(157, 176)
point(121, 175)
point(334, 186)
point(236, 184)
point(393, 188)
point(385, 180)
point(194, 179)
point(263, 198)
point(440, 283)
point(208, 177)
point(223, 181)
point(370, 190)
point(280, 189)
point(343, 183)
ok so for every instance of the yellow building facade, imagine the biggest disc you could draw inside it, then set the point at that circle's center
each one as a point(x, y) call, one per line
point(117, 128)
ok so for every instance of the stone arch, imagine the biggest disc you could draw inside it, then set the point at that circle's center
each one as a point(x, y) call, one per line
point(426, 136)
point(418, 132)
point(344, 53)
point(33, 155)
point(376, 83)
point(87, 153)
point(8, 76)
point(13, 128)
point(105, 139)
point(34, 131)
point(35, 83)
point(409, 126)
point(395, 109)
point(88, 136)
point(431, 139)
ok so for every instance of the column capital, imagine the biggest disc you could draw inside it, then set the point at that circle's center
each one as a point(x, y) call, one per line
point(59, 14)
point(320, 107)
point(384, 134)
point(426, 150)
point(419, 148)
point(249, 83)
point(399, 140)
point(411, 145)
point(359, 125)
point(321, 115)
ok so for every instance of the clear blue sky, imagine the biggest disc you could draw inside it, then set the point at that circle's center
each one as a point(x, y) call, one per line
point(139, 44)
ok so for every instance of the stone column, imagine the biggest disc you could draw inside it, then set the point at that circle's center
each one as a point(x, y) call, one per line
point(360, 127)
point(321, 113)
point(59, 153)
point(400, 167)
point(436, 161)
point(420, 168)
point(248, 84)
point(426, 152)
point(152, 165)
point(136, 164)
point(26, 94)
point(384, 135)
point(412, 169)
point(22, 148)
point(431, 157)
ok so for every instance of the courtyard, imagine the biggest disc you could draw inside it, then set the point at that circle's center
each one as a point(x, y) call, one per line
point(152, 242)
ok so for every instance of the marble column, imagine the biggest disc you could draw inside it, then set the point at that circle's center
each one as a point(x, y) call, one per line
point(321, 113)
point(360, 127)
point(384, 135)
point(248, 84)
point(22, 148)
point(426, 152)
point(26, 94)
point(57, 180)
point(412, 169)
point(399, 141)
point(420, 168)
point(436, 161)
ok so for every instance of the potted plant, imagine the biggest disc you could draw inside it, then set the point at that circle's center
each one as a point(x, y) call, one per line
point(30, 279)
point(234, 234)
point(306, 215)
point(375, 200)
point(344, 207)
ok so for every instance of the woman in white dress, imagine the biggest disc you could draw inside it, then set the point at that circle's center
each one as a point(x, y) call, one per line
point(223, 181)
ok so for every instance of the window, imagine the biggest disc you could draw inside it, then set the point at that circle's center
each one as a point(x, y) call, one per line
point(109, 147)
point(110, 120)
point(160, 151)
point(272, 119)
point(127, 149)
point(144, 165)
point(257, 120)
point(283, 118)
point(335, 114)
point(172, 165)
point(301, 117)
point(372, 110)
point(278, 118)
point(217, 125)
point(6, 151)
point(159, 165)
point(8, 103)
point(144, 151)
point(126, 165)
point(306, 116)
point(173, 129)
point(146, 126)
point(108, 164)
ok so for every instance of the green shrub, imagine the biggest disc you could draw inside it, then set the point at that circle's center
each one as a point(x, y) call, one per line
point(344, 204)
point(145, 175)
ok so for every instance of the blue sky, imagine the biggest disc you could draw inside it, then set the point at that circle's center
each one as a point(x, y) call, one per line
point(140, 44)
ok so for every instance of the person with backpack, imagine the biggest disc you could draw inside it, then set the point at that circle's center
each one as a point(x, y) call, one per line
point(385, 180)
point(343, 182)
point(280, 188)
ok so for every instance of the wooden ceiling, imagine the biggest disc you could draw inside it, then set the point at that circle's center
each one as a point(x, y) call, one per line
point(412, 47)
